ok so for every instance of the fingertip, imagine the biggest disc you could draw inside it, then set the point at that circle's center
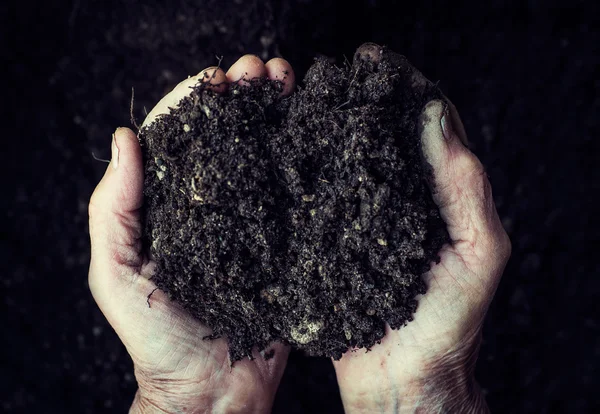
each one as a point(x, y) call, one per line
point(129, 174)
point(281, 70)
point(368, 51)
point(457, 124)
point(441, 141)
point(125, 152)
point(246, 68)
point(114, 220)
point(434, 109)
point(124, 133)
point(433, 143)
point(127, 145)
point(215, 77)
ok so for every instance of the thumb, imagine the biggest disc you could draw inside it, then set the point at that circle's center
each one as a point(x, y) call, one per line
point(114, 214)
point(459, 185)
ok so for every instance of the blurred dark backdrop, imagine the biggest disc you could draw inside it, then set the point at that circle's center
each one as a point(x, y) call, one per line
point(524, 74)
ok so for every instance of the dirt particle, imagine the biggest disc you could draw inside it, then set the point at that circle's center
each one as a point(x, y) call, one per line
point(347, 334)
point(306, 332)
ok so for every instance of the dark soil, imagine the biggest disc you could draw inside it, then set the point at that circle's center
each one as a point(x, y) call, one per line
point(305, 219)
point(524, 76)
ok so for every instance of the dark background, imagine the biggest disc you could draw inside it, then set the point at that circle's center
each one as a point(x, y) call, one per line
point(525, 76)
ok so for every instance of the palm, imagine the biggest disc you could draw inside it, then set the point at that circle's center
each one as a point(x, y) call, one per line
point(449, 316)
point(175, 367)
point(167, 347)
point(444, 318)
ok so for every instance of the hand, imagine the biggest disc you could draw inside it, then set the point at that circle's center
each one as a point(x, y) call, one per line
point(427, 366)
point(176, 370)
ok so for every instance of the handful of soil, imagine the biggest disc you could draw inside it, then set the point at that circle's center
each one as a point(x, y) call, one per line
point(305, 219)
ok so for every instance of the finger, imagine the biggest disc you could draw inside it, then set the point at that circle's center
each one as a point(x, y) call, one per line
point(281, 70)
point(247, 67)
point(456, 123)
point(117, 261)
point(375, 53)
point(214, 76)
point(420, 81)
point(114, 209)
point(119, 272)
point(460, 186)
point(369, 51)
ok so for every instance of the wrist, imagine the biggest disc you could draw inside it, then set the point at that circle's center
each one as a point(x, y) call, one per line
point(426, 395)
point(155, 403)
point(449, 383)
point(419, 383)
point(145, 403)
point(446, 393)
point(230, 394)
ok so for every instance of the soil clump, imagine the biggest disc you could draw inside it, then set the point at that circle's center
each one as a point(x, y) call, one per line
point(305, 219)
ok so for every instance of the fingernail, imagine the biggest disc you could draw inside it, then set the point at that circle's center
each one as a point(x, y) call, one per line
point(115, 152)
point(446, 122)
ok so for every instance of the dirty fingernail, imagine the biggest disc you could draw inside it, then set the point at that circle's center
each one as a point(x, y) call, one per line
point(446, 122)
point(114, 151)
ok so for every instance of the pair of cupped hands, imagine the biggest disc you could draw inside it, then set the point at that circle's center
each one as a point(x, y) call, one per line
point(426, 366)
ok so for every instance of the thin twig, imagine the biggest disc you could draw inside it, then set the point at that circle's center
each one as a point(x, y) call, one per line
point(148, 298)
point(335, 123)
point(220, 59)
point(346, 61)
point(353, 79)
point(323, 179)
point(339, 106)
point(133, 121)
point(99, 159)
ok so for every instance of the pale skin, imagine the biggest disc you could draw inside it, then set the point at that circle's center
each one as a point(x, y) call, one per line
point(423, 367)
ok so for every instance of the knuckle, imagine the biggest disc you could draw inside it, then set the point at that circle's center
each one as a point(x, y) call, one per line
point(497, 247)
point(94, 207)
point(471, 166)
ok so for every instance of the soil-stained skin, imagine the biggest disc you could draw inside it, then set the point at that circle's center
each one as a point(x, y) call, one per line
point(305, 219)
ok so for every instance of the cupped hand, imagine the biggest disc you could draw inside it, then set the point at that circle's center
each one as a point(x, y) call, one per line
point(427, 365)
point(176, 370)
